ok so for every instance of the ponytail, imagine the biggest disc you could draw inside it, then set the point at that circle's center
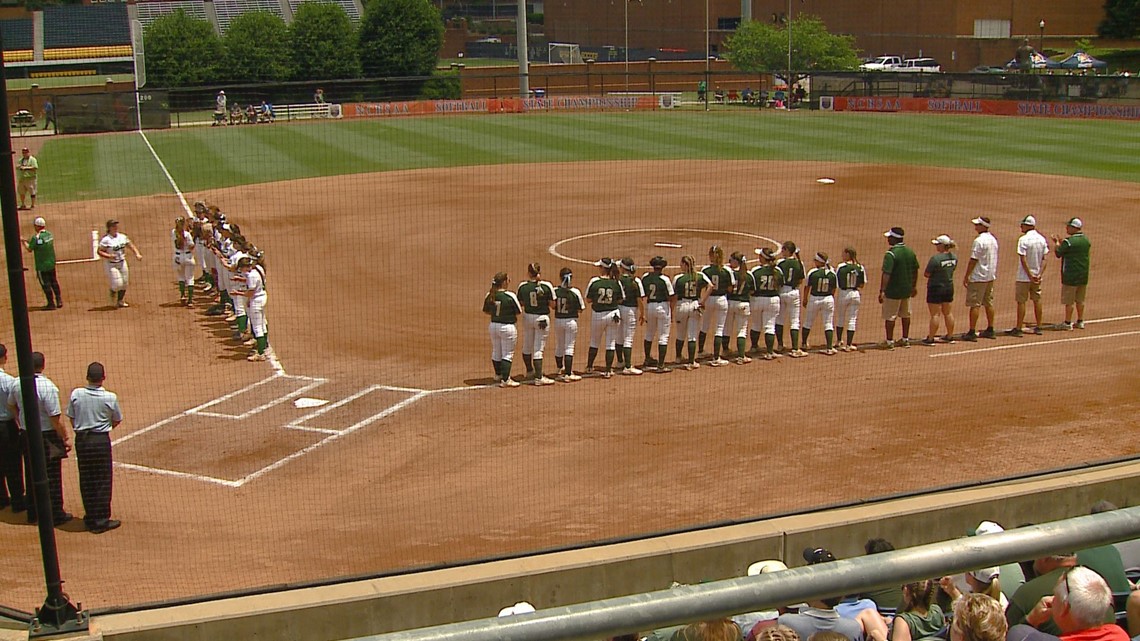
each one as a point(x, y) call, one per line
point(534, 269)
point(850, 251)
point(742, 270)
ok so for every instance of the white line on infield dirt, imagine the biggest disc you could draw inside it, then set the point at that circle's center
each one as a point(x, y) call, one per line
point(999, 348)
point(94, 252)
point(177, 474)
point(1109, 320)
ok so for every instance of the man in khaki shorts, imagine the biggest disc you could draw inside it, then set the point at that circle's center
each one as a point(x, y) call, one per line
point(1074, 255)
point(981, 273)
point(1032, 248)
point(898, 286)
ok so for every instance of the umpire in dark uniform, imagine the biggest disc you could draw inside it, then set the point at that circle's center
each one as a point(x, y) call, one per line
point(56, 445)
point(93, 412)
point(11, 446)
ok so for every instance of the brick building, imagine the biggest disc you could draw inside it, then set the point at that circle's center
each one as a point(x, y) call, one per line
point(961, 34)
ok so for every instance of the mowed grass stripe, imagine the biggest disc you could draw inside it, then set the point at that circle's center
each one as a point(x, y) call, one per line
point(208, 157)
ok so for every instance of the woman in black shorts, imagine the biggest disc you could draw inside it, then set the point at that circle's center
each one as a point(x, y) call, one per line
point(940, 288)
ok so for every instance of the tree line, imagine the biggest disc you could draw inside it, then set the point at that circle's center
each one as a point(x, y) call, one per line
point(394, 38)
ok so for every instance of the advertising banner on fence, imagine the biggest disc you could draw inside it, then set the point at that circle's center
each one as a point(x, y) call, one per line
point(500, 105)
point(978, 106)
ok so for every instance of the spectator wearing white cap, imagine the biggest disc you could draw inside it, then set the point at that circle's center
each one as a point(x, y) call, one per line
point(27, 173)
point(981, 581)
point(1012, 575)
point(981, 272)
point(1032, 250)
point(940, 288)
point(42, 247)
point(522, 607)
point(750, 623)
point(1074, 255)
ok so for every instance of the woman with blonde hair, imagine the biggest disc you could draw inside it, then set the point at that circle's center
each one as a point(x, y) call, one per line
point(984, 581)
point(715, 630)
point(686, 311)
point(940, 288)
point(852, 277)
point(714, 304)
point(919, 617)
point(978, 618)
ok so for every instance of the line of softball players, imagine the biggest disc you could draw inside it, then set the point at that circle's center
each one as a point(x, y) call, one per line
point(730, 300)
point(232, 269)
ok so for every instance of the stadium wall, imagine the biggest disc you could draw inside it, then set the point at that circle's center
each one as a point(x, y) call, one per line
point(477, 591)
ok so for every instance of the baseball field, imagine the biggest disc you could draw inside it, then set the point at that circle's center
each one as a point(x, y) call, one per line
point(381, 237)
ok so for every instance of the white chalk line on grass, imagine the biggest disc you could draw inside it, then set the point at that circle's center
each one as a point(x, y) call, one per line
point(166, 172)
point(999, 348)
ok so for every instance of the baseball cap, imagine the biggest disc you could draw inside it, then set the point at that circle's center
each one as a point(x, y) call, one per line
point(39, 222)
point(942, 240)
point(764, 567)
point(894, 232)
point(605, 262)
point(818, 555)
point(112, 221)
point(25, 149)
point(1029, 220)
point(1076, 223)
point(522, 607)
point(986, 527)
point(986, 575)
point(984, 221)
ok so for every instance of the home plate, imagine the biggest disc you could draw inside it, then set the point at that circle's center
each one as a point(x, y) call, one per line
point(825, 181)
point(670, 245)
point(305, 403)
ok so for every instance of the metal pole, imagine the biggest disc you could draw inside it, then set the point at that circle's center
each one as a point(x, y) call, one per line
point(789, 78)
point(57, 613)
point(524, 65)
point(707, 57)
point(627, 46)
point(687, 603)
point(1041, 40)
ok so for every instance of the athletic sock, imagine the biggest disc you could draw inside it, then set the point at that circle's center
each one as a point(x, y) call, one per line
point(770, 342)
point(662, 352)
point(538, 368)
point(569, 360)
point(181, 288)
point(121, 294)
point(851, 337)
point(740, 344)
point(829, 334)
point(795, 333)
point(609, 360)
point(243, 323)
point(680, 345)
point(755, 336)
point(648, 350)
point(593, 355)
point(780, 335)
point(558, 362)
point(262, 344)
point(803, 335)
point(701, 341)
point(628, 351)
point(506, 369)
point(716, 348)
point(528, 363)
point(692, 351)
point(190, 293)
point(498, 365)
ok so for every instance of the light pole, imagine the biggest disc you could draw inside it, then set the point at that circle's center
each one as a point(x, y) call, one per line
point(789, 77)
point(626, 45)
point(1041, 39)
point(589, 82)
point(708, 58)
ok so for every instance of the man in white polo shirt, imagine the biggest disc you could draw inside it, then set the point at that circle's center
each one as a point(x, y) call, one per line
point(93, 412)
point(1032, 248)
point(981, 273)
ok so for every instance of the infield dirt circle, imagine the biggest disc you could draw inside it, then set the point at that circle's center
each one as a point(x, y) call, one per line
point(377, 280)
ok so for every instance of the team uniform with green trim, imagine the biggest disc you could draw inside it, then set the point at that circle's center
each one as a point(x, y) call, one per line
point(792, 271)
point(634, 292)
point(504, 308)
point(42, 246)
point(764, 304)
point(851, 277)
point(568, 304)
point(658, 317)
point(1074, 254)
point(821, 286)
point(605, 296)
point(535, 296)
point(687, 313)
point(940, 278)
point(738, 309)
point(721, 280)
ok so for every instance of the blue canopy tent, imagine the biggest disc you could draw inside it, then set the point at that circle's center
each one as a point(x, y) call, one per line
point(1082, 60)
point(1038, 61)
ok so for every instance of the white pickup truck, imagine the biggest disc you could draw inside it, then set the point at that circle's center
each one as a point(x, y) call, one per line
point(882, 63)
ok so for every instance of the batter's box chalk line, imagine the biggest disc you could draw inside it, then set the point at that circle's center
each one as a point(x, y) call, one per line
point(305, 385)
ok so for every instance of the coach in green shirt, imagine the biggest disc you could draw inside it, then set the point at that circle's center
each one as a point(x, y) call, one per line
point(898, 286)
point(1074, 255)
point(42, 247)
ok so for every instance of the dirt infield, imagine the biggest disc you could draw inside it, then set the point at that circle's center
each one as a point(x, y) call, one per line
point(375, 287)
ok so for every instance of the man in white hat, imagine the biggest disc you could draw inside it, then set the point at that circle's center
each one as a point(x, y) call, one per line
point(42, 247)
point(1074, 255)
point(1032, 249)
point(979, 279)
point(27, 173)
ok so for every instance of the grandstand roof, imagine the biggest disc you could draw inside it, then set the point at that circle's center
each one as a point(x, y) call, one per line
point(86, 25)
point(148, 11)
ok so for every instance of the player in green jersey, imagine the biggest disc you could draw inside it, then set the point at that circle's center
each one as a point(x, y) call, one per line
point(42, 247)
point(764, 304)
point(605, 294)
point(899, 284)
point(940, 288)
point(714, 304)
point(632, 310)
point(792, 270)
point(659, 297)
point(688, 285)
point(503, 307)
point(819, 300)
point(1074, 254)
point(738, 310)
point(568, 304)
point(537, 296)
point(851, 277)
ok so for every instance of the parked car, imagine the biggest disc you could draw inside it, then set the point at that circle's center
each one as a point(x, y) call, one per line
point(882, 63)
point(923, 65)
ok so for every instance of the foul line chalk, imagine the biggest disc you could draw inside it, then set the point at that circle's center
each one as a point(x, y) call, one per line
point(1034, 344)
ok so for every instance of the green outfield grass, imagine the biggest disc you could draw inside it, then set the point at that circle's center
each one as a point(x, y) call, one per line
point(75, 168)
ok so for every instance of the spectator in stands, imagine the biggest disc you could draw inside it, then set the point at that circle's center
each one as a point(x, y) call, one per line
point(775, 633)
point(978, 618)
point(319, 96)
point(1077, 608)
point(715, 630)
point(1105, 560)
point(702, 90)
point(1133, 610)
point(1049, 570)
point(822, 616)
point(919, 618)
point(266, 114)
point(1012, 574)
point(983, 581)
point(251, 114)
point(751, 623)
point(235, 114)
point(884, 597)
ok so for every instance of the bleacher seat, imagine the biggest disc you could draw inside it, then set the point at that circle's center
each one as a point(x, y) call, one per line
point(17, 34)
point(148, 11)
point(96, 25)
point(230, 9)
point(348, 5)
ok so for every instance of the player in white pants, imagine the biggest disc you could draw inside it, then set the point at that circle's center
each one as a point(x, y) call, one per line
point(852, 277)
point(113, 249)
point(536, 296)
point(738, 308)
point(604, 293)
point(819, 299)
point(792, 271)
point(237, 281)
point(688, 286)
point(568, 305)
point(764, 304)
point(632, 310)
point(714, 304)
point(659, 296)
point(503, 307)
point(254, 292)
point(183, 242)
